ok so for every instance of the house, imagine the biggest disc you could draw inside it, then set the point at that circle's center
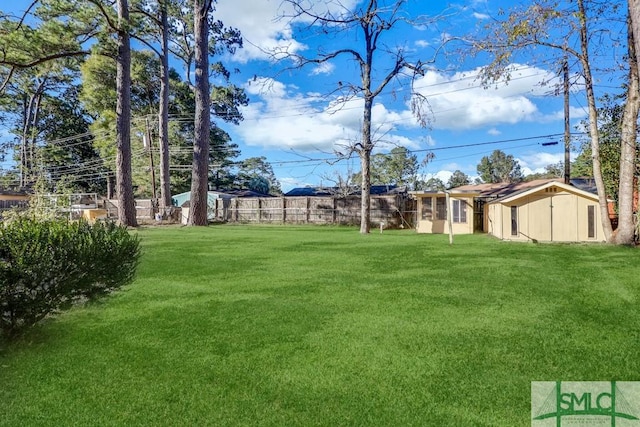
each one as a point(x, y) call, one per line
point(11, 198)
point(375, 190)
point(544, 210)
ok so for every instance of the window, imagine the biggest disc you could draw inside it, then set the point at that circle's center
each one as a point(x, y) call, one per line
point(459, 211)
point(427, 208)
point(514, 220)
point(591, 221)
point(441, 208)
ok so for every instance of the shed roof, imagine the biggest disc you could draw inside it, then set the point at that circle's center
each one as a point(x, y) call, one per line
point(13, 192)
point(502, 190)
point(528, 191)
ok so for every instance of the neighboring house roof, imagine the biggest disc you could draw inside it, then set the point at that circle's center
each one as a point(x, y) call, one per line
point(11, 192)
point(586, 184)
point(330, 191)
point(240, 193)
point(308, 191)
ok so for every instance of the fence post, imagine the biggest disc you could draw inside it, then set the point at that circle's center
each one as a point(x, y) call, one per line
point(284, 210)
point(235, 202)
point(334, 217)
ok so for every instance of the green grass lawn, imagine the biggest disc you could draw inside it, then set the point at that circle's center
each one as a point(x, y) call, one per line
point(302, 326)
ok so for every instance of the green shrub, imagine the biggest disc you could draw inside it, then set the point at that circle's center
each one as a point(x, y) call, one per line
point(46, 266)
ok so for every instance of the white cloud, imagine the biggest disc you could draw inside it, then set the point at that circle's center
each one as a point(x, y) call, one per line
point(458, 101)
point(288, 184)
point(494, 132)
point(536, 162)
point(283, 118)
point(575, 113)
point(422, 43)
point(431, 141)
point(324, 68)
point(443, 175)
point(481, 16)
point(266, 25)
point(452, 166)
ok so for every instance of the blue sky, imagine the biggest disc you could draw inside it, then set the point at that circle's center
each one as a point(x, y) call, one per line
point(296, 122)
point(290, 119)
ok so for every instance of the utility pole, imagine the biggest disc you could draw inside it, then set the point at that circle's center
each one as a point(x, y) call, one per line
point(567, 129)
point(149, 146)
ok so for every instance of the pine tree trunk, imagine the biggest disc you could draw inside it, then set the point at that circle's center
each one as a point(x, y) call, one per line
point(163, 113)
point(200, 168)
point(124, 185)
point(625, 233)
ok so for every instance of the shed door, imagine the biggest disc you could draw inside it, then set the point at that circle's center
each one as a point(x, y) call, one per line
point(564, 221)
point(539, 219)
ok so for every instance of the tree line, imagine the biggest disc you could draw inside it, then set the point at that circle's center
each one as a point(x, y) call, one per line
point(71, 85)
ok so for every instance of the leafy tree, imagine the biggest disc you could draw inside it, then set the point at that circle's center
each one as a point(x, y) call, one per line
point(257, 167)
point(222, 151)
point(35, 39)
point(222, 156)
point(554, 170)
point(154, 32)
point(259, 184)
point(399, 167)
point(366, 24)
point(22, 106)
point(432, 184)
point(99, 94)
point(107, 24)
point(499, 167)
point(458, 179)
point(39, 102)
point(61, 158)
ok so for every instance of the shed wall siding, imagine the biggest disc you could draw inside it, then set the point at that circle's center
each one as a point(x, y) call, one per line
point(547, 217)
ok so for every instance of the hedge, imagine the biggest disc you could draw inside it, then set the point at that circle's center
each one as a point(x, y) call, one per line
point(47, 266)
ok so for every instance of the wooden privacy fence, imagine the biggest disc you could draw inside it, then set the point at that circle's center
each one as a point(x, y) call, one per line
point(395, 211)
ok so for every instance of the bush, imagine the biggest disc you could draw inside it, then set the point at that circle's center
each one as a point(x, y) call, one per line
point(46, 266)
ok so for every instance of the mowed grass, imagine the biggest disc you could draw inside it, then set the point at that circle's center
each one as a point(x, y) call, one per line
point(304, 326)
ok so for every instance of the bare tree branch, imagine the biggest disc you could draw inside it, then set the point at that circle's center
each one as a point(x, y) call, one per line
point(367, 24)
point(26, 13)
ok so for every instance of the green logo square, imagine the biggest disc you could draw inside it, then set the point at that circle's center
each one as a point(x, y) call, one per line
point(585, 403)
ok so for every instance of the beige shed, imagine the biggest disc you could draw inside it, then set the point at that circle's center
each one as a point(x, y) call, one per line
point(552, 212)
point(545, 210)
